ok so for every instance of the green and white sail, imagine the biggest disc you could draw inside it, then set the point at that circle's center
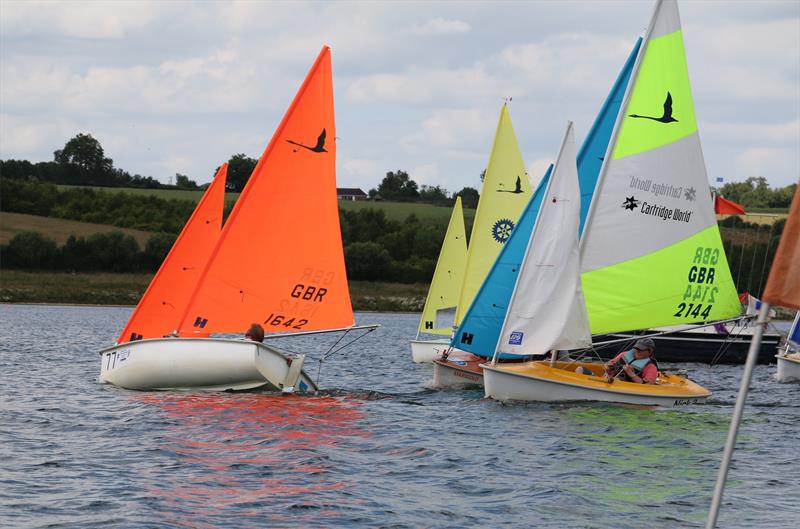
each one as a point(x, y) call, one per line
point(651, 254)
point(438, 315)
point(505, 192)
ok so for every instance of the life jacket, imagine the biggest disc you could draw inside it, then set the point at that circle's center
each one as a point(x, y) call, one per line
point(640, 364)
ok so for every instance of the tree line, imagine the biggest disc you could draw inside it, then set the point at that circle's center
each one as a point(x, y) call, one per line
point(375, 246)
point(755, 192)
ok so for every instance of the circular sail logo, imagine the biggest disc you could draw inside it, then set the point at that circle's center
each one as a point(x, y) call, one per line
point(501, 230)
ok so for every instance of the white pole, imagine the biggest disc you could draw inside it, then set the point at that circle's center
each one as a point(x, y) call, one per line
point(752, 355)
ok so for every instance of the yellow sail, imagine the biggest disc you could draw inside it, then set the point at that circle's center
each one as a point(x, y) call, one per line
point(439, 312)
point(505, 193)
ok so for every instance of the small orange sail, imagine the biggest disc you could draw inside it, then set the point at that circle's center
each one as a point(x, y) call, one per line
point(279, 260)
point(783, 284)
point(160, 310)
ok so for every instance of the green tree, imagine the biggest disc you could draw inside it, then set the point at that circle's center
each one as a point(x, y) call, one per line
point(240, 167)
point(433, 194)
point(84, 161)
point(469, 197)
point(29, 249)
point(367, 260)
point(182, 182)
point(398, 186)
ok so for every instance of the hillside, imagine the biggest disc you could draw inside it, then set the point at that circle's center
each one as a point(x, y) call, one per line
point(59, 229)
point(394, 210)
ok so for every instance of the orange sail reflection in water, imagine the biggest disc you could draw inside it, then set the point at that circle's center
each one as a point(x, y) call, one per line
point(264, 450)
point(161, 307)
point(279, 260)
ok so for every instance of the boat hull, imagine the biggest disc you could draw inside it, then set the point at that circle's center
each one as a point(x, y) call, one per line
point(426, 351)
point(460, 370)
point(703, 345)
point(537, 381)
point(788, 369)
point(210, 364)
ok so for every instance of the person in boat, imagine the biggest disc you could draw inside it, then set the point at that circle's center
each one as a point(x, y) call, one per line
point(634, 365)
point(255, 333)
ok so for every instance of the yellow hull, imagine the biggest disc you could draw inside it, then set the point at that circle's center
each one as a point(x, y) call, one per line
point(538, 381)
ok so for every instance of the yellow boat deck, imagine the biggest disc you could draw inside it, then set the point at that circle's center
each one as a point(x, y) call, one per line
point(564, 373)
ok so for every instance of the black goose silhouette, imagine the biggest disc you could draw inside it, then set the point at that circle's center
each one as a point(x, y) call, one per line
point(319, 147)
point(666, 118)
point(517, 190)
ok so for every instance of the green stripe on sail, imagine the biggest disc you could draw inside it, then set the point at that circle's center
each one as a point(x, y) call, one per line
point(685, 282)
point(662, 71)
point(448, 276)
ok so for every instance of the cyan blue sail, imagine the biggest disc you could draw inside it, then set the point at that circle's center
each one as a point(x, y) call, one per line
point(481, 325)
point(480, 328)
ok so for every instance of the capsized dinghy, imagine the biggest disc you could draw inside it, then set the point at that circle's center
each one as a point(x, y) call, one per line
point(278, 261)
point(647, 238)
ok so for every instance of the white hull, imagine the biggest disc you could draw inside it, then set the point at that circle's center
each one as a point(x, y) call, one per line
point(211, 364)
point(788, 369)
point(451, 377)
point(424, 351)
point(503, 386)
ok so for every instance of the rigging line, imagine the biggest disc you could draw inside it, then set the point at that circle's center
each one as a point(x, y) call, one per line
point(348, 343)
point(739, 270)
point(753, 262)
point(723, 348)
point(766, 256)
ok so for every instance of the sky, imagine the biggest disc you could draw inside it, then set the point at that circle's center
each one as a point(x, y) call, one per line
point(179, 87)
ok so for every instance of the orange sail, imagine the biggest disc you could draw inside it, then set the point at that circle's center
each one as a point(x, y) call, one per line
point(783, 285)
point(279, 259)
point(160, 310)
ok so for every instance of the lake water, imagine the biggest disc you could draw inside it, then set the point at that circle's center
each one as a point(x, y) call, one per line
point(378, 448)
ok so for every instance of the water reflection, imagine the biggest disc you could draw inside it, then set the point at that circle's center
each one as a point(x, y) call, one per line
point(253, 455)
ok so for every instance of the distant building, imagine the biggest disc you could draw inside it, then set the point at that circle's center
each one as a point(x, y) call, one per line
point(350, 193)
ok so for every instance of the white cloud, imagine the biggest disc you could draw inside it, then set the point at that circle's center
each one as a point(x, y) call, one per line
point(426, 174)
point(83, 20)
point(454, 129)
point(440, 26)
point(762, 161)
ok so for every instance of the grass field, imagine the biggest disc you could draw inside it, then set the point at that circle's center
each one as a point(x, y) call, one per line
point(394, 210)
point(58, 229)
point(18, 286)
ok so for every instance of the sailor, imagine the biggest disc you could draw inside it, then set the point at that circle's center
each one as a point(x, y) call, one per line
point(255, 333)
point(635, 365)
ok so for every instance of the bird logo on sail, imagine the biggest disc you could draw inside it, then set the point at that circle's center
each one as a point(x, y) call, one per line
point(666, 117)
point(319, 147)
point(501, 230)
point(517, 189)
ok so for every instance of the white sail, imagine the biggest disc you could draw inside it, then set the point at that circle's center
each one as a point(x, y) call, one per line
point(547, 309)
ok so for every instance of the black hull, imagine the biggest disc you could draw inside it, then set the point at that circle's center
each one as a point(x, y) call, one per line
point(706, 348)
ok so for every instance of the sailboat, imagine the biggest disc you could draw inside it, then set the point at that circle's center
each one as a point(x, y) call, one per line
point(438, 314)
point(504, 194)
point(788, 359)
point(650, 254)
point(480, 329)
point(278, 261)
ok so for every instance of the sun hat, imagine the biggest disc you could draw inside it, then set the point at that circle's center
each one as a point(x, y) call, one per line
point(645, 343)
